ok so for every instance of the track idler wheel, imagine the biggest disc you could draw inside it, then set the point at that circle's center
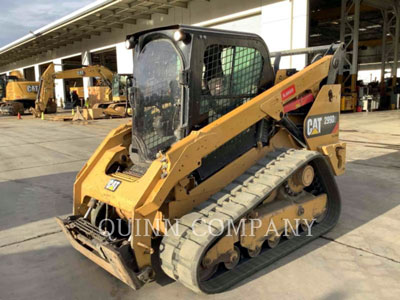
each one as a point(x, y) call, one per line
point(255, 252)
point(274, 241)
point(291, 234)
point(206, 272)
point(304, 226)
point(234, 259)
point(299, 180)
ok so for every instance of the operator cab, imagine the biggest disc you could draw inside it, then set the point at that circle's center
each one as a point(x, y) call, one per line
point(186, 77)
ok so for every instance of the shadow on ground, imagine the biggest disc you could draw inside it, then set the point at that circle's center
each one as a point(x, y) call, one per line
point(33, 199)
point(55, 272)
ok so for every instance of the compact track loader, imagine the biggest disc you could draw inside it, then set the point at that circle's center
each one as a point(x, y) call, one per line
point(219, 148)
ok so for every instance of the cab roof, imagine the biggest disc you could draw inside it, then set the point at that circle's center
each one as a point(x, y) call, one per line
point(197, 31)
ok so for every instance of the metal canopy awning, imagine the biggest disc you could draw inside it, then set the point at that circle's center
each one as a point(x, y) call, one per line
point(101, 18)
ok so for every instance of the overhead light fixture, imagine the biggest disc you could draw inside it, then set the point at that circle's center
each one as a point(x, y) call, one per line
point(362, 29)
point(335, 22)
point(315, 35)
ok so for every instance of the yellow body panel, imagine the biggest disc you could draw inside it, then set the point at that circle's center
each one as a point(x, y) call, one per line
point(99, 94)
point(78, 90)
point(21, 90)
point(17, 74)
point(348, 102)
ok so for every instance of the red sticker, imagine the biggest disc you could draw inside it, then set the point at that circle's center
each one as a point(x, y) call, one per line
point(335, 129)
point(288, 92)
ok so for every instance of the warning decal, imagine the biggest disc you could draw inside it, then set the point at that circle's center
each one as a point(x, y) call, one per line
point(288, 92)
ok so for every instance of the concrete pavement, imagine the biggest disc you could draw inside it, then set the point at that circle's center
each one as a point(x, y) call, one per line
point(358, 259)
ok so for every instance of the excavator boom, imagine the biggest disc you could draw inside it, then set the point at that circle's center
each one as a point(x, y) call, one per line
point(105, 74)
point(45, 101)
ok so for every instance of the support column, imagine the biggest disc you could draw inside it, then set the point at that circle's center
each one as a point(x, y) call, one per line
point(59, 84)
point(396, 48)
point(349, 33)
point(87, 81)
point(390, 31)
point(291, 18)
point(384, 41)
point(37, 73)
point(299, 35)
point(124, 59)
point(354, 63)
point(342, 39)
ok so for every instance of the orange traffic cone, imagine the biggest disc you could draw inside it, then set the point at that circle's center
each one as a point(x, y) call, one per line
point(19, 116)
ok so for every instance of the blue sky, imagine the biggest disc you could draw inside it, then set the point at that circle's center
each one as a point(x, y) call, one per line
point(18, 17)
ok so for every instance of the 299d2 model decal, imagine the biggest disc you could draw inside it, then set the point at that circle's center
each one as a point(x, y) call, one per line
point(318, 125)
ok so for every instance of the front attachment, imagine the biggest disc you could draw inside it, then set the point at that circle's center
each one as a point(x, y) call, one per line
point(116, 256)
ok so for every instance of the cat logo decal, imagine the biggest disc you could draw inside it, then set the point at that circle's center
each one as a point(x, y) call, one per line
point(318, 125)
point(112, 185)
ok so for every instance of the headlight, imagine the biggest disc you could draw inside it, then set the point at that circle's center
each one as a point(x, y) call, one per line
point(179, 36)
point(129, 43)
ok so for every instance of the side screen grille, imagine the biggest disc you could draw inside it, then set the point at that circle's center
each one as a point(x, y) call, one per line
point(231, 76)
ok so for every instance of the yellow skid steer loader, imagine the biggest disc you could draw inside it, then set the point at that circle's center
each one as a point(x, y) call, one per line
point(217, 151)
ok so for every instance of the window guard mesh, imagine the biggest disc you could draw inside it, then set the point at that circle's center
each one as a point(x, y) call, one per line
point(231, 76)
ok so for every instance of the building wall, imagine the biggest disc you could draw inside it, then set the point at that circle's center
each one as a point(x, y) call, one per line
point(283, 24)
point(375, 75)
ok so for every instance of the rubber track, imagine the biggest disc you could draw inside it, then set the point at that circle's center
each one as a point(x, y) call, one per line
point(181, 254)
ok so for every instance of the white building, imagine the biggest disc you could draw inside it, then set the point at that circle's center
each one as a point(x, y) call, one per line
point(96, 33)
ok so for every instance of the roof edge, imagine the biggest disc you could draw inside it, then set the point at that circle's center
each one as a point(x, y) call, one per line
point(60, 22)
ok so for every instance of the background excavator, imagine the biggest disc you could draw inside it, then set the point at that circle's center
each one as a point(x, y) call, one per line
point(16, 93)
point(114, 101)
point(216, 140)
